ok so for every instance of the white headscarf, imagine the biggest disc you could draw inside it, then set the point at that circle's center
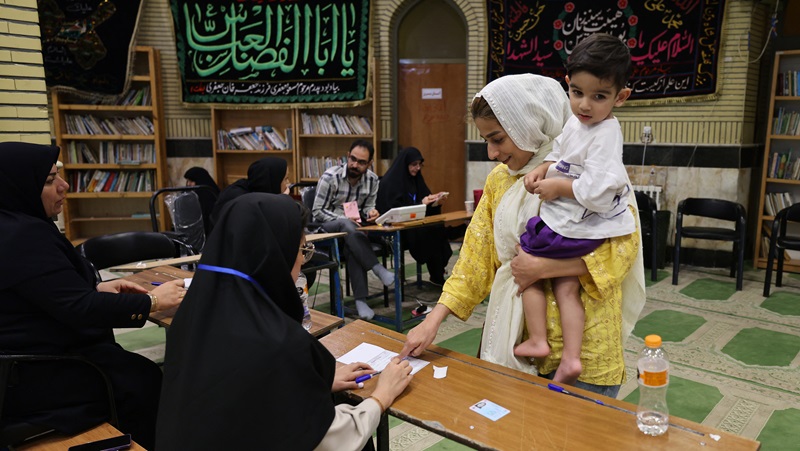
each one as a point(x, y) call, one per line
point(532, 109)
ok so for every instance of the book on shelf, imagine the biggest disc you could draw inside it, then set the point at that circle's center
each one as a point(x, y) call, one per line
point(786, 122)
point(784, 165)
point(334, 124)
point(788, 83)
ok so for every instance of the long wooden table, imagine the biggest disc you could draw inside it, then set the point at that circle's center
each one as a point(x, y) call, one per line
point(539, 418)
point(321, 323)
point(394, 230)
point(61, 443)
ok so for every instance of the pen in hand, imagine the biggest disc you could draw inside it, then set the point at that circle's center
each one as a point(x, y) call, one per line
point(366, 377)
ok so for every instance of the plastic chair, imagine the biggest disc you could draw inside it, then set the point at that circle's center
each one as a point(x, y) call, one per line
point(717, 209)
point(647, 213)
point(109, 250)
point(779, 242)
point(16, 434)
point(186, 212)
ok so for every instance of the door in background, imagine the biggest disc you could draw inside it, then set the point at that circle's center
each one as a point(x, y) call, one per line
point(431, 117)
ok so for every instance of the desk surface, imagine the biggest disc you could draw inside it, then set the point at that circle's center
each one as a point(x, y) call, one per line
point(428, 220)
point(311, 237)
point(539, 418)
point(143, 265)
point(61, 443)
point(320, 322)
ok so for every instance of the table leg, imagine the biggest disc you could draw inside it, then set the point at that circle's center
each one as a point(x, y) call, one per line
point(383, 433)
point(398, 283)
point(336, 283)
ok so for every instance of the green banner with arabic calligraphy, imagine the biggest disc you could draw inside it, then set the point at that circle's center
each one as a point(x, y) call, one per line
point(674, 44)
point(272, 51)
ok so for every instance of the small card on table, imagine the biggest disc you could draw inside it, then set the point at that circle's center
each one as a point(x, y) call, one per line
point(489, 409)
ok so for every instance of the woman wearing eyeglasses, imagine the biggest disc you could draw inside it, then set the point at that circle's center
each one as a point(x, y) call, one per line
point(403, 185)
point(240, 372)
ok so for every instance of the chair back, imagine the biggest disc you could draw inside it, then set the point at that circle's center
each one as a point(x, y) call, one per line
point(645, 202)
point(712, 208)
point(109, 250)
point(187, 218)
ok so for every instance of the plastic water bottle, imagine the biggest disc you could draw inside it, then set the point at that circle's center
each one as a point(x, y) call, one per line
point(302, 291)
point(652, 415)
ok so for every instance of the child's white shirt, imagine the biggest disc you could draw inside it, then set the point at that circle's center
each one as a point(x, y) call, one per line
point(590, 155)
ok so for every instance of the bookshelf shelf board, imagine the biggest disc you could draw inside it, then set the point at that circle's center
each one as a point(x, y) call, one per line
point(788, 265)
point(784, 181)
point(120, 108)
point(790, 98)
point(112, 219)
point(140, 78)
point(337, 136)
point(253, 152)
point(122, 167)
point(109, 195)
point(109, 137)
point(308, 179)
point(785, 137)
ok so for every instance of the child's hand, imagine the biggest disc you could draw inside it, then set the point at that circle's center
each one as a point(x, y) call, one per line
point(547, 189)
point(534, 176)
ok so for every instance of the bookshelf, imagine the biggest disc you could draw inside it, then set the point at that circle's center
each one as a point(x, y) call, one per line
point(780, 176)
point(325, 134)
point(113, 153)
point(313, 135)
point(240, 139)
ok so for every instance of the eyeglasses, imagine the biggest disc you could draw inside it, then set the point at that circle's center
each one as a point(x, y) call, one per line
point(417, 164)
point(308, 252)
point(357, 161)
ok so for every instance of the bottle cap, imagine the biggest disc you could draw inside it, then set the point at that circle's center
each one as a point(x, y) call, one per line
point(652, 341)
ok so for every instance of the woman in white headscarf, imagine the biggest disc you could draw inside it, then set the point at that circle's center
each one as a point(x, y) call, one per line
point(519, 116)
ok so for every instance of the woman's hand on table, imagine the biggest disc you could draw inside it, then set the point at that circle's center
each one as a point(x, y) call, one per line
point(170, 294)
point(423, 335)
point(392, 381)
point(345, 377)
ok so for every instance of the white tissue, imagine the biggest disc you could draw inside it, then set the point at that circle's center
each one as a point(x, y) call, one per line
point(439, 372)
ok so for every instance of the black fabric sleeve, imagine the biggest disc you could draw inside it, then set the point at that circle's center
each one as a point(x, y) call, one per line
point(69, 299)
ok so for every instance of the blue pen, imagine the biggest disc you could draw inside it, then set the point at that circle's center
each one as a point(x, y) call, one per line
point(366, 377)
point(156, 283)
point(559, 389)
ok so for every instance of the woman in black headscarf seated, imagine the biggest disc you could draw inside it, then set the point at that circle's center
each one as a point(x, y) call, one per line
point(50, 303)
point(240, 371)
point(267, 175)
point(198, 176)
point(403, 185)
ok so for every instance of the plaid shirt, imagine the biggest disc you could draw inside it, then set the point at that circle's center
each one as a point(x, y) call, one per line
point(333, 190)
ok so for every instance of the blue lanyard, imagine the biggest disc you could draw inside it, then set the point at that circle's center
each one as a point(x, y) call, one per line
point(413, 197)
point(233, 272)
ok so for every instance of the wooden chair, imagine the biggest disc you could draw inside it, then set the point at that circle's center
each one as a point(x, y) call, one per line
point(779, 242)
point(717, 209)
point(647, 214)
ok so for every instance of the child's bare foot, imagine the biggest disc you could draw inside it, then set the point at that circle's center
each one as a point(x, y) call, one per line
point(568, 371)
point(532, 348)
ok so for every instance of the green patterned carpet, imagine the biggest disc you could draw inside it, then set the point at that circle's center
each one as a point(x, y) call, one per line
point(735, 355)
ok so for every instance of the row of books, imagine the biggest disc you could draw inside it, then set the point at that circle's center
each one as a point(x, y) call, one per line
point(110, 152)
point(786, 122)
point(784, 165)
point(263, 137)
point(97, 181)
point(314, 167)
point(87, 124)
point(787, 83)
point(334, 124)
point(775, 202)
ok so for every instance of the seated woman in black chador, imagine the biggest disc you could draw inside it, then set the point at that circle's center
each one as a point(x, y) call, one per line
point(240, 371)
point(50, 303)
point(198, 176)
point(403, 185)
point(267, 175)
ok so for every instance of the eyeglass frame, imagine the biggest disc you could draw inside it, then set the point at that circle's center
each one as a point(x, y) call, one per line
point(308, 250)
point(362, 163)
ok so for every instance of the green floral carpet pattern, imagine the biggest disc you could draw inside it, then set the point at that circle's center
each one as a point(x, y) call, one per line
point(735, 355)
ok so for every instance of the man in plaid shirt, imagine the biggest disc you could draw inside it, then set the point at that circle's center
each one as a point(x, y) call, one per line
point(353, 181)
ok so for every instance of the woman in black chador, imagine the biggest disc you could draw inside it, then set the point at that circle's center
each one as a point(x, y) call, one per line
point(403, 185)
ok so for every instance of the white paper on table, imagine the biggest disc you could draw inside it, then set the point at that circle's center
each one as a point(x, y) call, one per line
point(378, 357)
point(186, 282)
point(439, 372)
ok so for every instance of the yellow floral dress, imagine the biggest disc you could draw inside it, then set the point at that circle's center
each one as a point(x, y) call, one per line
point(485, 255)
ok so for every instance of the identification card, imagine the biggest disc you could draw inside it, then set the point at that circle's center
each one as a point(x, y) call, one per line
point(489, 409)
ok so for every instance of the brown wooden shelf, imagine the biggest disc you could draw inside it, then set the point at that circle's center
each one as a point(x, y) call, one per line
point(111, 219)
point(122, 167)
point(105, 194)
point(108, 137)
point(106, 108)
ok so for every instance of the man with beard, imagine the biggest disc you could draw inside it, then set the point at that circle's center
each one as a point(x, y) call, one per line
point(352, 182)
